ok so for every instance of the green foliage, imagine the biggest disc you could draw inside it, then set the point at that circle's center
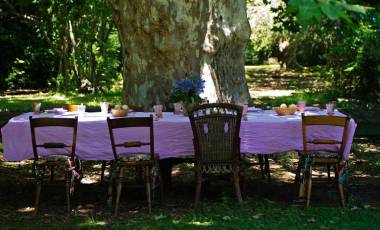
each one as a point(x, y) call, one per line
point(353, 64)
point(311, 11)
point(67, 45)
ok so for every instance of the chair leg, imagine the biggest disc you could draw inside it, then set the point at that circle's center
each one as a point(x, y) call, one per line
point(118, 190)
point(309, 186)
point(148, 188)
point(261, 162)
point(104, 163)
point(110, 184)
point(39, 175)
point(198, 187)
point(52, 172)
point(328, 172)
point(161, 181)
point(267, 168)
point(237, 186)
point(67, 182)
point(299, 168)
point(38, 193)
point(342, 196)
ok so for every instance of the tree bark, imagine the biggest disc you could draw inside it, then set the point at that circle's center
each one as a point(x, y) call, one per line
point(164, 40)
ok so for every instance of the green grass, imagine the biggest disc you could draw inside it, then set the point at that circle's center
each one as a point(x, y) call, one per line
point(23, 103)
point(225, 215)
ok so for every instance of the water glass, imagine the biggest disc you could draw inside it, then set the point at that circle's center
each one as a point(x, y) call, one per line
point(245, 112)
point(158, 111)
point(330, 107)
point(104, 107)
point(81, 110)
point(178, 108)
point(301, 106)
point(36, 107)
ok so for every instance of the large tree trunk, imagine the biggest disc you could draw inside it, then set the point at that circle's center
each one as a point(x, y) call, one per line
point(164, 40)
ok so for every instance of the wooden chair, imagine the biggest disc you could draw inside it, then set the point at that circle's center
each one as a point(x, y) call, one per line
point(69, 161)
point(216, 140)
point(149, 161)
point(323, 156)
point(135, 108)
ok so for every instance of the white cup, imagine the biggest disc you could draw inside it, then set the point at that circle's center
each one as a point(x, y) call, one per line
point(245, 112)
point(178, 108)
point(158, 111)
point(330, 107)
point(104, 107)
point(36, 107)
point(81, 110)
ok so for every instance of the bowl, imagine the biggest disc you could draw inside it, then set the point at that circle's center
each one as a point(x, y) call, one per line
point(281, 111)
point(119, 112)
point(71, 107)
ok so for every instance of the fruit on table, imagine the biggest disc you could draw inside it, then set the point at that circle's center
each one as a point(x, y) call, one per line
point(292, 106)
point(283, 106)
point(121, 107)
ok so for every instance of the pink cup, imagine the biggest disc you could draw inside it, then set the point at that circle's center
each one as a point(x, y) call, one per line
point(301, 106)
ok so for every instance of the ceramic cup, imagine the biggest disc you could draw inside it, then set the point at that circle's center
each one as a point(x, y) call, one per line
point(158, 111)
point(36, 106)
point(104, 107)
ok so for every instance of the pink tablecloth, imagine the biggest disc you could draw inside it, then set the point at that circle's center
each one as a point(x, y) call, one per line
point(263, 133)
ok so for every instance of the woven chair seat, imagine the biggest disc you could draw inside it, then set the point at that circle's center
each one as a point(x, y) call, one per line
point(52, 159)
point(217, 168)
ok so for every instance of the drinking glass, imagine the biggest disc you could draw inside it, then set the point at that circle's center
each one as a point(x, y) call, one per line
point(245, 112)
point(330, 107)
point(104, 107)
point(178, 108)
point(81, 110)
point(158, 111)
point(301, 106)
point(36, 107)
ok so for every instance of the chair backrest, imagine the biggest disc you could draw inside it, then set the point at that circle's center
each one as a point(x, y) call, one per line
point(216, 128)
point(131, 122)
point(53, 122)
point(325, 121)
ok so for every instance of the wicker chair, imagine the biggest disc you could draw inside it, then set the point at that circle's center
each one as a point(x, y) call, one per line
point(149, 161)
point(216, 140)
point(323, 157)
point(70, 162)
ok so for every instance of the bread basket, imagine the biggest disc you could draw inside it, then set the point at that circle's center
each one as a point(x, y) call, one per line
point(119, 112)
point(283, 111)
point(72, 107)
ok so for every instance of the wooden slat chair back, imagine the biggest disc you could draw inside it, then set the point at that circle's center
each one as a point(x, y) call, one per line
point(131, 122)
point(72, 168)
point(216, 140)
point(150, 160)
point(53, 122)
point(324, 156)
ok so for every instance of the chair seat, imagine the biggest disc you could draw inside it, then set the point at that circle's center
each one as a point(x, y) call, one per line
point(321, 157)
point(52, 159)
point(136, 158)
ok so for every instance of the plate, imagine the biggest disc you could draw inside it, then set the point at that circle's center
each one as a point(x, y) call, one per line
point(311, 109)
point(254, 109)
point(56, 110)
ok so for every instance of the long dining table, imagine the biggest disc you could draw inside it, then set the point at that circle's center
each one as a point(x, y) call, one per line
point(264, 132)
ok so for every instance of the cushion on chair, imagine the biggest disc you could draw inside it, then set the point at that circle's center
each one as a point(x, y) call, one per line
point(323, 154)
point(52, 159)
point(135, 157)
